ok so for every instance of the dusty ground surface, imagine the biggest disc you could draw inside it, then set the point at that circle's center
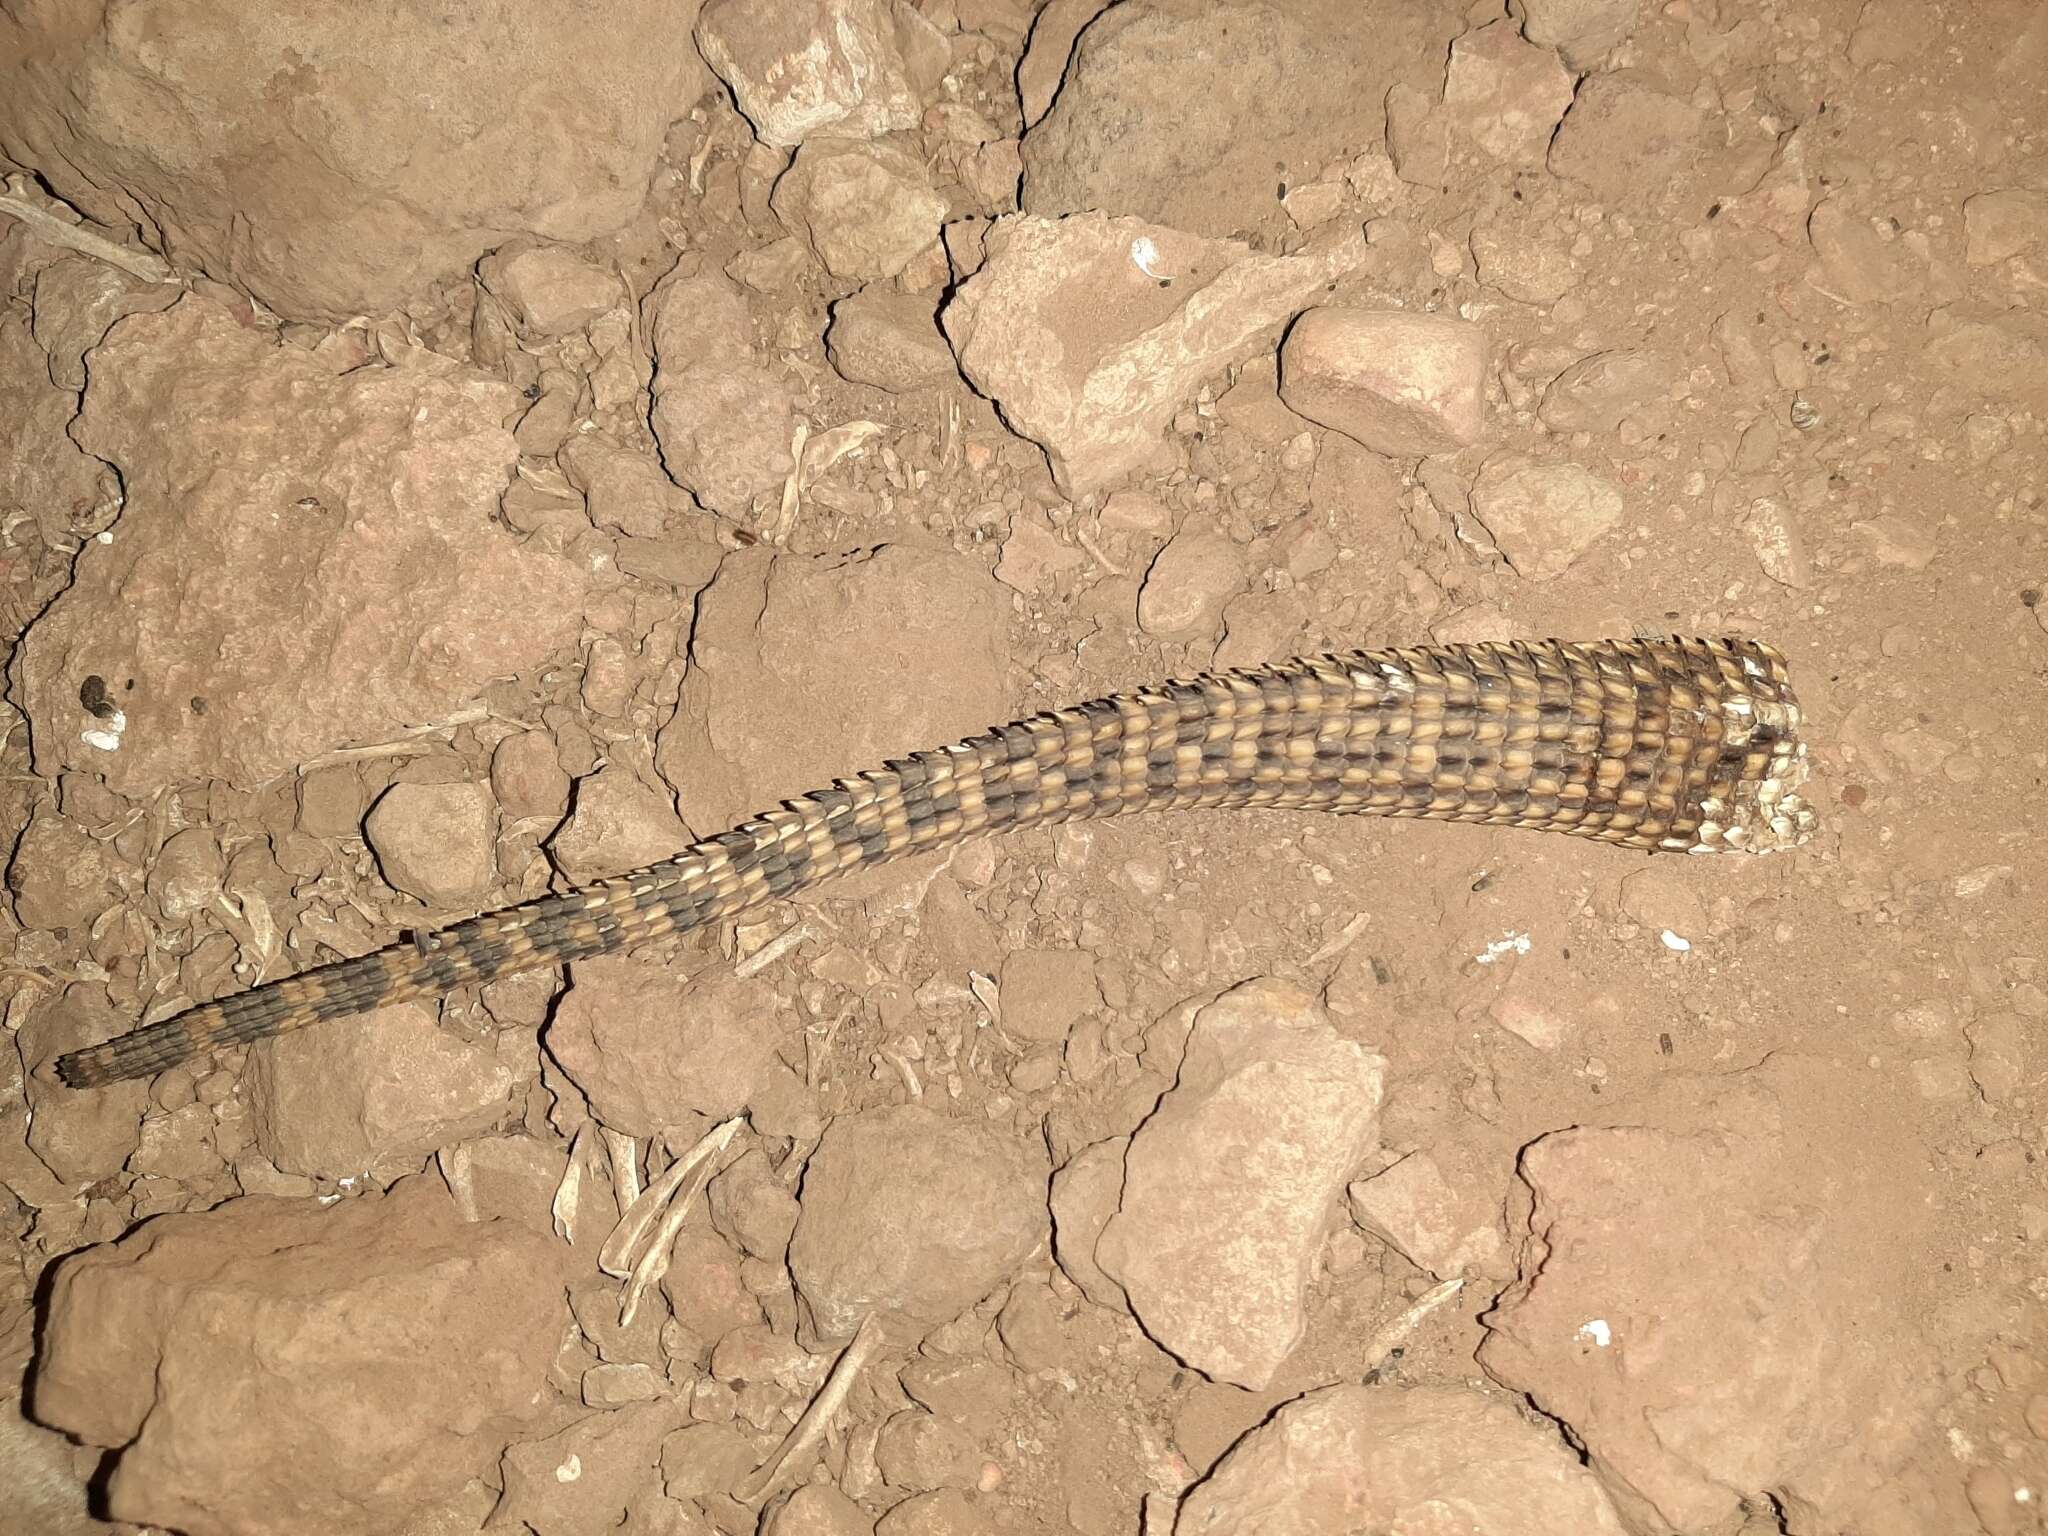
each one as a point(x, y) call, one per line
point(477, 455)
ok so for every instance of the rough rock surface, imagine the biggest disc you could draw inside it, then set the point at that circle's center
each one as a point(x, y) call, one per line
point(60, 876)
point(550, 291)
point(1189, 584)
point(1120, 137)
point(527, 777)
point(866, 209)
point(1431, 1459)
point(77, 303)
point(1543, 516)
point(590, 1475)
point(1629, 143)
point(1045, 991)
point(252, 532)
point(650, 1048)
point(1506, 94)
point(888, 339)
point(1597, 393)
point(1069, 327)
point(915, 1214)
point(817, 1509)
point(619, 823)
point(724, 421)
point(1084, 1197)
point(852, 68)
point(436, 842)
point(78, 1137)
point(1580, 30)
point(790, 654)
point(341, 162)
point(1402, 384)
point(1700, 1333)
point(1446, 1228)
point(377, 1093)
point(248, 1362)
point(68, 492)
point(1228, 1186)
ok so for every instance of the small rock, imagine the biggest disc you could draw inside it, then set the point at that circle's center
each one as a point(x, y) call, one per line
point(624, 489)
point(1997, 225)
point(943, 1512)
point(1998, 1056)
point(967, 1199)
point(514, 1177)
point(618, 824)
point(588, 1476)
point(706, 1287)
point(408, 157)
point(701, 1459)
point(1447, 1231)
point(817, 1509)
point(79, 1137)
point(651, 1049)
point(854, 68)
point(1782, 201)
point(617, 1386)
point(1350, 1458)
point(373, 1095)
point(756, 1353)
point(1657, 1260)
point(1773, 533)
point(1188, 586)
point(1543, 517)
point(1402, 384)
point(1046, 991)
point(866, 208)
point(725, 423)
point(1084, 1197)
point(1629, 143)
point(890, 340)
point(1506, 94)
point(305, 1337)
point(550, 290)
point(1580, 30)
point(332, 801)
point(436, 842)
point(1252, 406)
point(1034, 559)
point(1228, 1185)
point(1524, 262)
point(527, 777)
point(1314, 205)
point(917, 1452)
point(790, 653)
point(1279, 93)
point(265, 493)
point(1090, 332)
point(1418, 137)
point(751, 1206)
point(971, 1390)
point(1857, 263)
point(61, 876)
point(179, 1146)
point(1898, 542)
point(1597, 392)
